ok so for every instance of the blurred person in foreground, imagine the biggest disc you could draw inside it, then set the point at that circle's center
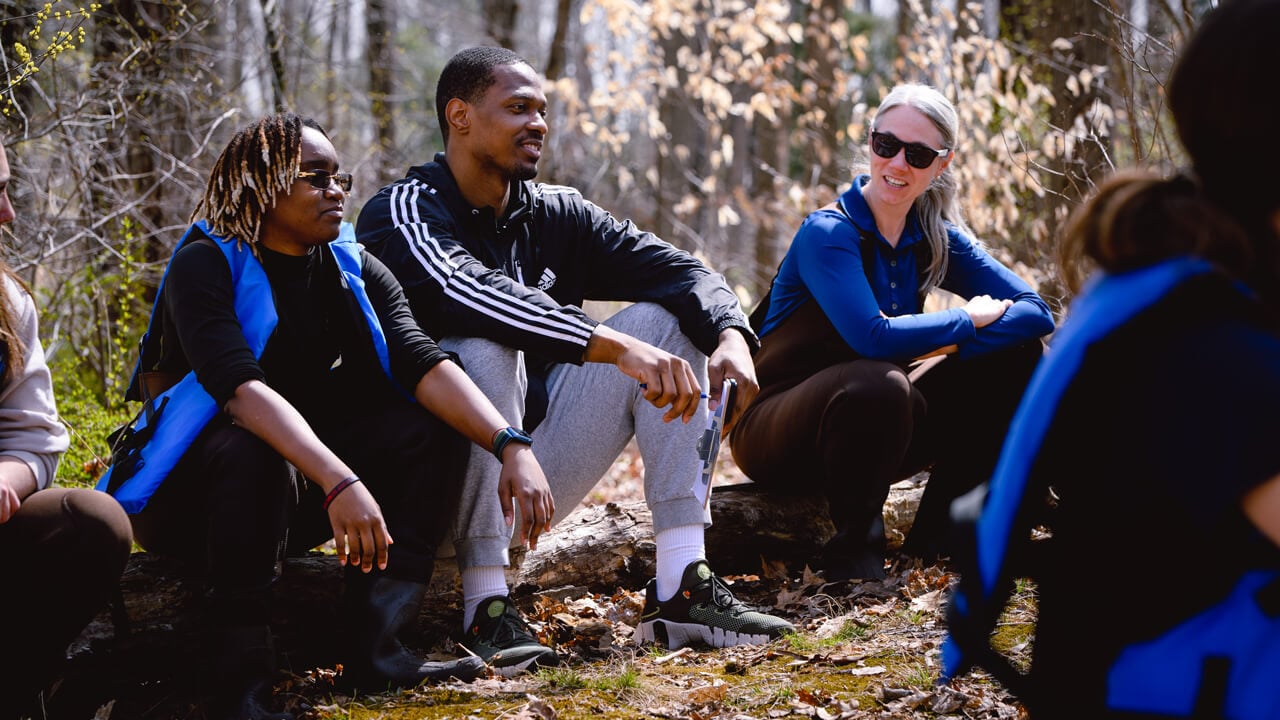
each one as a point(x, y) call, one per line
point(498, 266)
point(64, 548)
point(1153, 425)
point(860, 385)
point(290, 354)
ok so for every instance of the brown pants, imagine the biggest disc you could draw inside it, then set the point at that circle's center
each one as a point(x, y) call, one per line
point(64, 552)
point(851, 429)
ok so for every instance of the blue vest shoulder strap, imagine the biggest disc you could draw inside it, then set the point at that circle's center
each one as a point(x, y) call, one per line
point(1106, 303)
point(347, 252)
point(186, 408)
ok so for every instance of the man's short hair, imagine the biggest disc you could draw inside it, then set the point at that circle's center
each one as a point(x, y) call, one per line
point(467, 75)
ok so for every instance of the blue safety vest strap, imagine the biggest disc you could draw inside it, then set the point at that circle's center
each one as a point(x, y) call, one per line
point(1107, 302)
point(186, 408)
point(347, 252)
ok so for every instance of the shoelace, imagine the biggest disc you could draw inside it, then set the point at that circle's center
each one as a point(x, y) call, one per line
point(722, 596)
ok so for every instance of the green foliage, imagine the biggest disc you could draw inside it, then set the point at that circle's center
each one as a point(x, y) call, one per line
point(850, 631)
point(564, 678)
point(628, 677)
point(89, 386)
point(89, 422)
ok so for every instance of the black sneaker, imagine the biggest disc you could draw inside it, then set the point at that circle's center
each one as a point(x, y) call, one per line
point(501, 638)
point(704, 610)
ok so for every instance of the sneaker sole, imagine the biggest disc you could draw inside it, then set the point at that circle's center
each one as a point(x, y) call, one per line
point(676, 635)
point(510, 671)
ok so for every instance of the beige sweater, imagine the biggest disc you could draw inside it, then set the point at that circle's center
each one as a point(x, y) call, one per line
point(29, 427)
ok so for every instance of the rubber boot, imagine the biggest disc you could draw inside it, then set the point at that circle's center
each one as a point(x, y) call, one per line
point(245, 665)
point(377, 607)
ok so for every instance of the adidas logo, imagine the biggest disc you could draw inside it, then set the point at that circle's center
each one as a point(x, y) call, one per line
point(547, 280)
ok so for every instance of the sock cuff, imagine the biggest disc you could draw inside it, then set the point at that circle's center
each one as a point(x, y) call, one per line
point(478, 584)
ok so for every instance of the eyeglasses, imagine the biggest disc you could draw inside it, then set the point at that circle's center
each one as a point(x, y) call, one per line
point(322, 179)
point(919, 155)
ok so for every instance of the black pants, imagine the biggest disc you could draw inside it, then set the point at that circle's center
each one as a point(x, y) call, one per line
point(64, 551)
point(853, 429)
point(232, 500)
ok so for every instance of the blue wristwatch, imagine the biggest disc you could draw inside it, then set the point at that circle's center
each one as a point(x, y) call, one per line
point(506, 436)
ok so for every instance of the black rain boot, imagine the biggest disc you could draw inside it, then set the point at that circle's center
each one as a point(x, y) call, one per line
point(377, 607)
point(244, 667)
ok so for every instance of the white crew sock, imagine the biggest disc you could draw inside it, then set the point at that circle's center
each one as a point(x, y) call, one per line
point(677, 548)
point(480, 584)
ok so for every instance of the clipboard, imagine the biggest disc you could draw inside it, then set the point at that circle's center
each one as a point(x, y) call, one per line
point(709, 443)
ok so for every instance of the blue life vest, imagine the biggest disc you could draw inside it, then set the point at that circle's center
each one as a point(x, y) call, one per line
point(171, 421)
point(1223, 661)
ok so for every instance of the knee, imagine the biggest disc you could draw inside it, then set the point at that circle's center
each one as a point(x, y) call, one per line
point(883, 399)
point(875, 386)
point(487, 362)
point(244, 466)
point(101, 530)
point(100, 513)
point(479, 351)
point(656, 325)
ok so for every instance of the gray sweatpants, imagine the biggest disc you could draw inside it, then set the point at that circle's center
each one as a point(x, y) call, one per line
point(593, 412)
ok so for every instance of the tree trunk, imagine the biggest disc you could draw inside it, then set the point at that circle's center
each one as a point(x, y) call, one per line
point(556, 55)
point(381, 82)
point(500, 20)
point(271, 21)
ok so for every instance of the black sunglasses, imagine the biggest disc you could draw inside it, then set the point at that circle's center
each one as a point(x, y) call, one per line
point(322, 179)
point(919, 155)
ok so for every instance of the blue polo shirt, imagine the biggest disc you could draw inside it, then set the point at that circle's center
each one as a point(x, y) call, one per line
point(825, 263)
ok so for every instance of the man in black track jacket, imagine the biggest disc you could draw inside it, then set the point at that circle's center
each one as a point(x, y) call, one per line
point(498, 267)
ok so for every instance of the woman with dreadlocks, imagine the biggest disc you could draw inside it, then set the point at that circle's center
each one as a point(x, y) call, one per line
point(299, 359)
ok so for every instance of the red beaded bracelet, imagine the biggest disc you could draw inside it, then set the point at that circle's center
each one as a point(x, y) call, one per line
point(337, 490)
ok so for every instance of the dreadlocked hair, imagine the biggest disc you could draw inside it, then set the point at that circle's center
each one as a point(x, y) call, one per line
point(12, 349)
point(256, 167)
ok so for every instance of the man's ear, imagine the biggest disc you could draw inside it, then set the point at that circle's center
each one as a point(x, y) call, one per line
point(458, 114)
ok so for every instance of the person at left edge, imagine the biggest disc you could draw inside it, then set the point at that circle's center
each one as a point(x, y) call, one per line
point(64, 547)
point(311, 363)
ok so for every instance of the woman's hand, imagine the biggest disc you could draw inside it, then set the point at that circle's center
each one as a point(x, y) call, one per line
point(984, 309)
point(16, 483)
point(359, 531)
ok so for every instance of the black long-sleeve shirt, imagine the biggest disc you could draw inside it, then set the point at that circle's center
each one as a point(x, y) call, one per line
point(521, 278)
point(319, 327)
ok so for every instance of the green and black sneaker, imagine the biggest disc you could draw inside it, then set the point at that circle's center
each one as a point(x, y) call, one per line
point(704, 610)
point(501, 638)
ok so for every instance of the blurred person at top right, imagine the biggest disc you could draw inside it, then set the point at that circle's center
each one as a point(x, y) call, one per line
point(860, 386)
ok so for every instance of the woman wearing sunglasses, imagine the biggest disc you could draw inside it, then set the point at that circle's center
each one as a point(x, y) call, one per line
point(860, 386)
point(296, 357)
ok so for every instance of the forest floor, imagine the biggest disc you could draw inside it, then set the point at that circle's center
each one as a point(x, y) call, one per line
point(869, 649)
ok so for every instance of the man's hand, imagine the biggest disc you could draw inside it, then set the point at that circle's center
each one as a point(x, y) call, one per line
point(667, 379)
point(359, 531)
point(523, 482)
point(732, 359)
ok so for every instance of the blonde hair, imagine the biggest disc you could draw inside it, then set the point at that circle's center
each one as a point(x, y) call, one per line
point(12, 350)
point(939, 204)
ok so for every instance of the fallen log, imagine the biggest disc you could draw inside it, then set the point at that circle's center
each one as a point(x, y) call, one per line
point(598, 548)
point(609, 546)
point(152, 634)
